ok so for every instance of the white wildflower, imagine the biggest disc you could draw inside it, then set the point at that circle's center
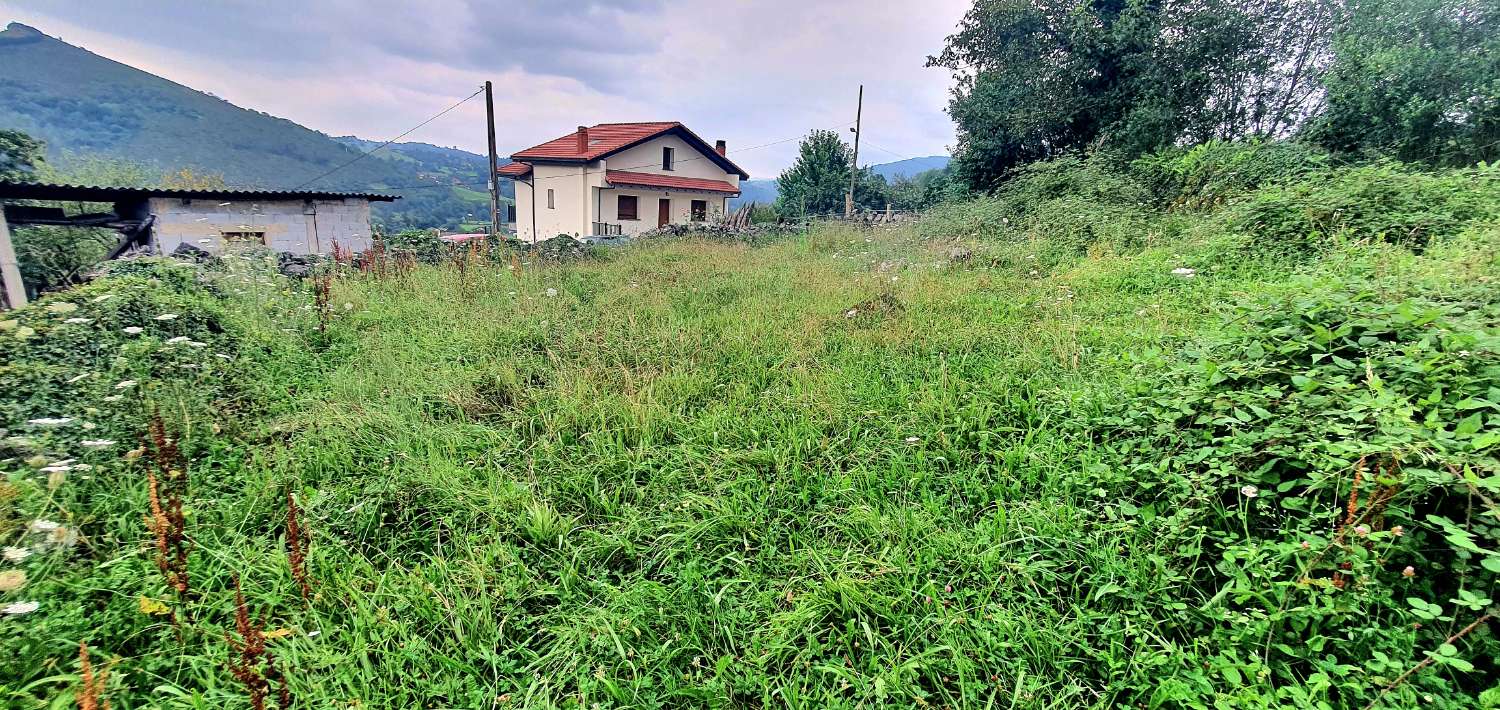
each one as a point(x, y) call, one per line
point(1464, 353)
point(79, 321)
point(15, 554)
point(49, 421)
point(348, 306)
point(197, 344)
point(913, 439)
point(127, 384)
point(19, 608)
point(114, 398)
point(176, 340)
point(42, 525)
point(132, 330)
point(1249, 491)
point(1184, 272)
point(97, 443)
point(167, 316)
point(551, 292)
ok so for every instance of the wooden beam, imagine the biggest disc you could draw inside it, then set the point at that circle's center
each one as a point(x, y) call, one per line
point(10, 270)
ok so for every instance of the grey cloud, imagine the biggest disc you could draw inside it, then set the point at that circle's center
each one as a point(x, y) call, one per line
point(591, 42)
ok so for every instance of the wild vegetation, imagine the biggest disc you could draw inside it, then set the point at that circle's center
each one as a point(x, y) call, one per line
point(1215, 427)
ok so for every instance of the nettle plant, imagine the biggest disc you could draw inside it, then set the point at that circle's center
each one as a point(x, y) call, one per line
point(1324, 474)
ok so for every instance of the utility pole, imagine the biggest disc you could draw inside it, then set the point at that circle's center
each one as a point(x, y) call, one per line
point(854, 167)
point(489, 113)
point(10, 273)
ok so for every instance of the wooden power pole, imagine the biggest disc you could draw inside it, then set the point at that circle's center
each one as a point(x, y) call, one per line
point(489, 113)
point(10, 272)
point(854, 166)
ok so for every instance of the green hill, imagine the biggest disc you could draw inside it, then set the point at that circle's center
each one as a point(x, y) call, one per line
point(83, 104)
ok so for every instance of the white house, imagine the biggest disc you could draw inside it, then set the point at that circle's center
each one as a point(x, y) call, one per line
point(620, 179)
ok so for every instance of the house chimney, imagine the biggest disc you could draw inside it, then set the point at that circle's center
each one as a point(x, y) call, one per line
point(583, 139)
point(720, 147)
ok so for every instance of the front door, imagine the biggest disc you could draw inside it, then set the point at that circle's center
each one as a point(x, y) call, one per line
point(663, 211)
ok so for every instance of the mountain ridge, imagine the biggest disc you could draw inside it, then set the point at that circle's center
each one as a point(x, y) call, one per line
point(82, 103)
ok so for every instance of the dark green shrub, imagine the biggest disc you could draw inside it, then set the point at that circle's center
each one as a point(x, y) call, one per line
point(1069, 203)
point(1210, 174)
point(1323, 480)
point(421, 243)
point(1382, 202)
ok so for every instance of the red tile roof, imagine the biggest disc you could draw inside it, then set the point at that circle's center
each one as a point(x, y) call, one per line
point(514, 169)
point(668, 182)
point(604, 138)
point(607, 139)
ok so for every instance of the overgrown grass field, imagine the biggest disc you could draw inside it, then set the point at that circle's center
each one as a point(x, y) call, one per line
point(1024, 454)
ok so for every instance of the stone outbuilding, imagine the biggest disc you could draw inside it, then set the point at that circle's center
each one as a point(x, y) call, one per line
point(159, 220)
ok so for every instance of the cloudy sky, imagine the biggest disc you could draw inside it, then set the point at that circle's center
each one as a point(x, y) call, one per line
point(748, 72)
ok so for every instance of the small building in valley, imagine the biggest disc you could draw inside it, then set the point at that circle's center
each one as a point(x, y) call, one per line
point(620, 179)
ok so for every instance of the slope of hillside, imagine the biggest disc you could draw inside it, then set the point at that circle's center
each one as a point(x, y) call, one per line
point(83, 104)
point(911, 167)
point(1016, 448)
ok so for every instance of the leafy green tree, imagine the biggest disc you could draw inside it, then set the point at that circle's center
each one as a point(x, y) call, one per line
point(1037, 79)
point(1418, 80)
point(20, 154)
point(817, 181)
point(923, 190)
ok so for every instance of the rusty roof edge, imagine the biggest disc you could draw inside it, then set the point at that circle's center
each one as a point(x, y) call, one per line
point(28, 190)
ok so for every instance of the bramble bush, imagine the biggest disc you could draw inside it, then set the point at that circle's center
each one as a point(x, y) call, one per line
point(1323, 477)
point(1208, 175)
point(1384, 202)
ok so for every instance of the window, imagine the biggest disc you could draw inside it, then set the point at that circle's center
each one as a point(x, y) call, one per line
point(666, 158)
point(700, 210)
point(243, 239)
point(550, 204)
point(626, 208)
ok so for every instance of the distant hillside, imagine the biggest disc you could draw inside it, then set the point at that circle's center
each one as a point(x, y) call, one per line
point(910, 167)
point(83, 104)
point(764, 191)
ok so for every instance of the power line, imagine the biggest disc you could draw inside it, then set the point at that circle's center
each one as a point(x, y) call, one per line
point(887, 150)
point(367, 153)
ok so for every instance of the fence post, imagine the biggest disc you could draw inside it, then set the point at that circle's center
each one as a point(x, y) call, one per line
point(10, 271)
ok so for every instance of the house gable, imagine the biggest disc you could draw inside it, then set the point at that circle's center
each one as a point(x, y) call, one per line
point(607, 140)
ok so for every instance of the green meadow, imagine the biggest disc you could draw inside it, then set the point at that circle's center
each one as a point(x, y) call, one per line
point(1075, 445)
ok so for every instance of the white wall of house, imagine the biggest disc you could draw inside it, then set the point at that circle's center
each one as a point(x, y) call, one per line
point(648, 203)
point(296, 226)
point(581, 196)
point(689, 161)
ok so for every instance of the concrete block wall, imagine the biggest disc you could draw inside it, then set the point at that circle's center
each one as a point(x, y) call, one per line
point(296, 226)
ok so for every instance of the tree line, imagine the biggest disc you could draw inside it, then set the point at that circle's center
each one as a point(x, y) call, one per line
point(1414, 80)
point(1411, 80)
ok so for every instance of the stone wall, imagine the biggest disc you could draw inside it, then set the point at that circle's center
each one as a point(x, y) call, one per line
point(296, 226)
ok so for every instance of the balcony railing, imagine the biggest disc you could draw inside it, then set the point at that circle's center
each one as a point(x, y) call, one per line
point(605, 229)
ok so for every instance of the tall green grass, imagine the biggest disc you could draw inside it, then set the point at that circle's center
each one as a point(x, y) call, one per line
point(841, 470)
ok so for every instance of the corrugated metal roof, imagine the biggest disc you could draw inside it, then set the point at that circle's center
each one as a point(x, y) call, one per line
point(668, 182)
point(96, 193)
